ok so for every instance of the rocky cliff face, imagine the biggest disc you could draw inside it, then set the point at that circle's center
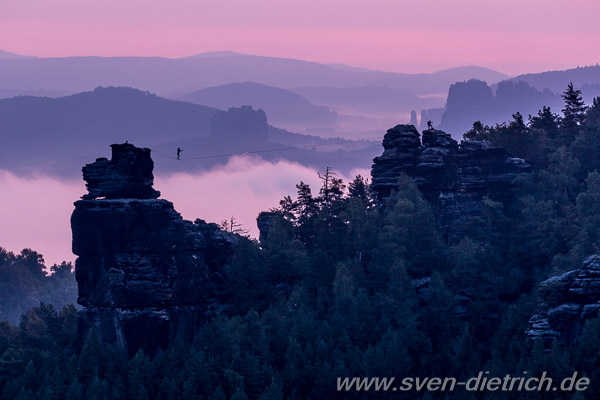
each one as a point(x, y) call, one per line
point(264, 223)
point(145, 274)
point(566, 302)
point(453, 177)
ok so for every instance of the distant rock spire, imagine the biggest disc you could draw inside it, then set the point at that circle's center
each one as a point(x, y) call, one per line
point(243, 124)
point(413, 118)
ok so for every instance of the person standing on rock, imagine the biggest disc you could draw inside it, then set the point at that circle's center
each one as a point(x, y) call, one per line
point(430, 125)
point(178, 153)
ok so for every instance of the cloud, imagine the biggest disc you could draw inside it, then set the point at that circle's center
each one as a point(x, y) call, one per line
point(242, 188)
point(35, 214)
point(35, 211)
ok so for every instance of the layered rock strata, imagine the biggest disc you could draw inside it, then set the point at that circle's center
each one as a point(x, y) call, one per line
point(566, 302)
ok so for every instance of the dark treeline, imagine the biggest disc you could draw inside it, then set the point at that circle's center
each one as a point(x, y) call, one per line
point(341, 287)
point(25, 282)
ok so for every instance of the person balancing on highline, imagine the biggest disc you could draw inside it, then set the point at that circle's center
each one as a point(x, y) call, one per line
point(430, 125)
point(178, 153)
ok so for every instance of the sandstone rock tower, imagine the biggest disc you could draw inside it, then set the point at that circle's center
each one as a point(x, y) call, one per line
point(145, 274)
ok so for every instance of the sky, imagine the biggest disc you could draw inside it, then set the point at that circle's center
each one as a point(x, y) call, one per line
point(36, 211)
point(512, 36)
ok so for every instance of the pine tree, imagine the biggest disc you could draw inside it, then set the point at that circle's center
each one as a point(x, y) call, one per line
point(592, 117)
point(97, 389)
point(31, 379)
point(273, 392)
point(332, 189)
point(218, 394)
point(573, 114)
point(545, 121)
point(478, 132)
point(409, 232)
point(306, 206)
point(137, 375)
point(359, 188)
point(239, 394)
point(92, 358)
point(74, 391)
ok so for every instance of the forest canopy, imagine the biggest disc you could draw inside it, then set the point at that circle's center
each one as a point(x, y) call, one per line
point(344, 286)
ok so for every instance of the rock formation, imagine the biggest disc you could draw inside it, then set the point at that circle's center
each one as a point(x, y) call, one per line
point(474, 100)
point(453, 177)
point(413, 118)
point(240, 124)
point(468, 101)
point(264, 222)
point(566, 302)
point(145, 275)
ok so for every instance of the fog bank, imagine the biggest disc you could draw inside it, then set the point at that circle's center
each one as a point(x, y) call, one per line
point(35, 211)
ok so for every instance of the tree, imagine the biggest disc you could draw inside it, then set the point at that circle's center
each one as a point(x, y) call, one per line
point(331, 190)
point(306, 205)
point(478, 132)
point(592, 117)
point(359, 188)
point(233, 226)
point(74, 391)
point(137, 376)
point(34, 262)
point(514, 136)
point(588, 211)
point(273, 391)
point(573, 114)
point(409, 232)
point(98, 389)
point(218, 394)
point(239, 394)
point(586, 146)
point(518, 140)
point(545, 121)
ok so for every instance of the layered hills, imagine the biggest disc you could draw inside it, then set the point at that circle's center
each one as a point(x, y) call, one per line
point(285, 108)
point(55, 135)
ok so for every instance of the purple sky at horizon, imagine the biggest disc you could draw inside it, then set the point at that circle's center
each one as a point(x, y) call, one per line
point(404, 36)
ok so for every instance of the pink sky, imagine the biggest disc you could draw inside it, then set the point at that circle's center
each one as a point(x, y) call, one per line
point(400, 35)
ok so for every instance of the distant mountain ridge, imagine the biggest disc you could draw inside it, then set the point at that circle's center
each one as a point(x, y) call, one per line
point(327, 100)
point(183, 75)
point(378, 100)
point(11, 56)
point(222, 53)
point(54, 136)
point(41, 130)
point(284, 107)
point(557, 81)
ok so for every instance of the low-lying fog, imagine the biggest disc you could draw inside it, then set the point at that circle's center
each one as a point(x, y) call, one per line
point(35, 211)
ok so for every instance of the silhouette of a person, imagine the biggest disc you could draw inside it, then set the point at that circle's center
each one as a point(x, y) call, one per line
point(178, 153)
point(430, 125)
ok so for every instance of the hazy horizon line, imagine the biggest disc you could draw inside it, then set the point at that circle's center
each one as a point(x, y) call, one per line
point(232, 53)
point(336, 64)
